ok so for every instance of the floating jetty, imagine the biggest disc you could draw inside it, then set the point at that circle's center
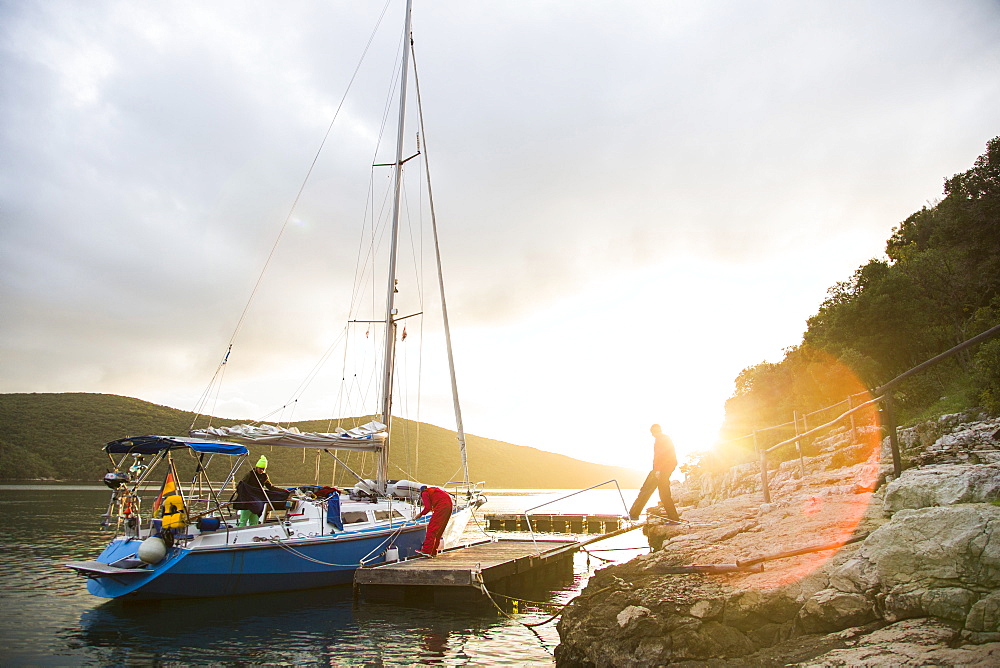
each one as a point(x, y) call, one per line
point(468, 572)
point(554, 523)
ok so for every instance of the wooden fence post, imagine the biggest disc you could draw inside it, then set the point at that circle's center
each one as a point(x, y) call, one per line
point(854, 429)
point(889, 422)
point(763, 468)
point(798, 443)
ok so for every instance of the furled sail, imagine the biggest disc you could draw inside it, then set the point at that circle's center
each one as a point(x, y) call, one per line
point(367, 437)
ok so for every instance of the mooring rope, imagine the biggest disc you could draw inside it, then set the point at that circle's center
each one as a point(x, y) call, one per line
point(591, 554)
point(530, 627)
point(278, 541)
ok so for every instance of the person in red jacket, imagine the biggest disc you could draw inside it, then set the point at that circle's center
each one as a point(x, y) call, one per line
point(437, 502)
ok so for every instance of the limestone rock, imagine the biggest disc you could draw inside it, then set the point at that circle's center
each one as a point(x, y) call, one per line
point(983, 621)
point(914, 642)
point(630, 614)
point(833, 610)
point(922, 589)
point(937, 562)
point(943, 485)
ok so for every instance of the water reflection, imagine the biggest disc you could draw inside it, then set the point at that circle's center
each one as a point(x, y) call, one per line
point(46, 528)
point(324, 627)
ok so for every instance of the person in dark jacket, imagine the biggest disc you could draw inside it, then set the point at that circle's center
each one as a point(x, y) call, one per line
point(664, 463)
point(437, 502)
point(254, 493)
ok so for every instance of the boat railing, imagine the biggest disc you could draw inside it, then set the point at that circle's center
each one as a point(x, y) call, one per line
point(527, 517)
point(465, 487)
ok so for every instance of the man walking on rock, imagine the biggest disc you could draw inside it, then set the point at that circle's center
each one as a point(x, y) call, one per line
point(664, 463)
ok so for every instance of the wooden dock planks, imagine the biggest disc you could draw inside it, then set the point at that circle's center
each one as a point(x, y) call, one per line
point(470, 566)
point(555, 523)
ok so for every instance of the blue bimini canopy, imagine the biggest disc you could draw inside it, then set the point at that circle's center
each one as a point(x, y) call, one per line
point(150, 445)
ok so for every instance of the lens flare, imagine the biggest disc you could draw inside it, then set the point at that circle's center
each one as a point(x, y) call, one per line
point(823, 467)
point(818, 497)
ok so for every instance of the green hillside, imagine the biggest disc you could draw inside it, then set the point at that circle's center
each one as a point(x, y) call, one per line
point(59, 436)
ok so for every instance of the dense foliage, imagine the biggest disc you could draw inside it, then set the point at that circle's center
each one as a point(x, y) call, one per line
point(59, 437)
point(939, 286)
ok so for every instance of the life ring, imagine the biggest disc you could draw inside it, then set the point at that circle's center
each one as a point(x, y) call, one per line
point(174, 516)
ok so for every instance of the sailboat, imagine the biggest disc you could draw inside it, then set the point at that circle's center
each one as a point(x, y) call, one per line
point(180, 543)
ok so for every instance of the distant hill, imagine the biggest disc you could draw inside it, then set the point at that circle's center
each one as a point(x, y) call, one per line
point(59, 436)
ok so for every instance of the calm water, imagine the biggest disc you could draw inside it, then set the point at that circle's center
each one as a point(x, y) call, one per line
point(49, 618)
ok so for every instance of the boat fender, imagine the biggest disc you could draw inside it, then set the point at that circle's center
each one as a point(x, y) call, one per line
point(174, 516)
point(152, 550)
point(208, 524)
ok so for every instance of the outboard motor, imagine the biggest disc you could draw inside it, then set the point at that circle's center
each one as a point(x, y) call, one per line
point(116, 479)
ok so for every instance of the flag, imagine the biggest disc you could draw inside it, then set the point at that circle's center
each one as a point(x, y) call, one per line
point(404, 333)
point(169, 487)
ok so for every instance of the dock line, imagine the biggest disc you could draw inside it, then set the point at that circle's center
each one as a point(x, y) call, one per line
point(611, 534)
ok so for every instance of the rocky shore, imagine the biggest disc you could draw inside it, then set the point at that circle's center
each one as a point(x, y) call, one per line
point(844, 567)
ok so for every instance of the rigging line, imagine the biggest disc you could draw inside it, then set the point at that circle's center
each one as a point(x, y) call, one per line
point(317, 367)
point(459, 426)
point(418, 264)
point(305, 180)
point(203, 399)
point(338, 402)
point(366, 255)
point(409, 426)
point(416, 256)
point(309, 172)
point(420, 385)
point(386, 109)
point(218, 390)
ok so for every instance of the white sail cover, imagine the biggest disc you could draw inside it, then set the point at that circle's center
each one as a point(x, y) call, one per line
point(367, 437)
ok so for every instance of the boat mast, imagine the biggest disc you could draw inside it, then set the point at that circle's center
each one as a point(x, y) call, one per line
point(382, 473)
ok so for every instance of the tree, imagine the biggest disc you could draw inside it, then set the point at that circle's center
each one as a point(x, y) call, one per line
point(939, 286)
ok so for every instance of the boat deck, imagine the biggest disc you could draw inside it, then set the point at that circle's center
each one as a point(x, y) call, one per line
point(463, 572)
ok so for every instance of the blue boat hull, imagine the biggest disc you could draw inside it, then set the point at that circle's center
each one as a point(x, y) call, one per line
point(252, 568)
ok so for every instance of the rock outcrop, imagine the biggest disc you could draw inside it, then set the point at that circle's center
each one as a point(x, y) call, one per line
point(905, 573)
point(944, 485)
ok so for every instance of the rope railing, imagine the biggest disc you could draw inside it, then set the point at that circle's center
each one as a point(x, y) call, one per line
point(881, 397)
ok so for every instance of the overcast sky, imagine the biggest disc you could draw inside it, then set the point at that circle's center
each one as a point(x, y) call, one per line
point(637, 199)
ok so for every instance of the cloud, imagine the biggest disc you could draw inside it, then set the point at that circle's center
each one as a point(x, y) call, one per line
point(584, 154)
